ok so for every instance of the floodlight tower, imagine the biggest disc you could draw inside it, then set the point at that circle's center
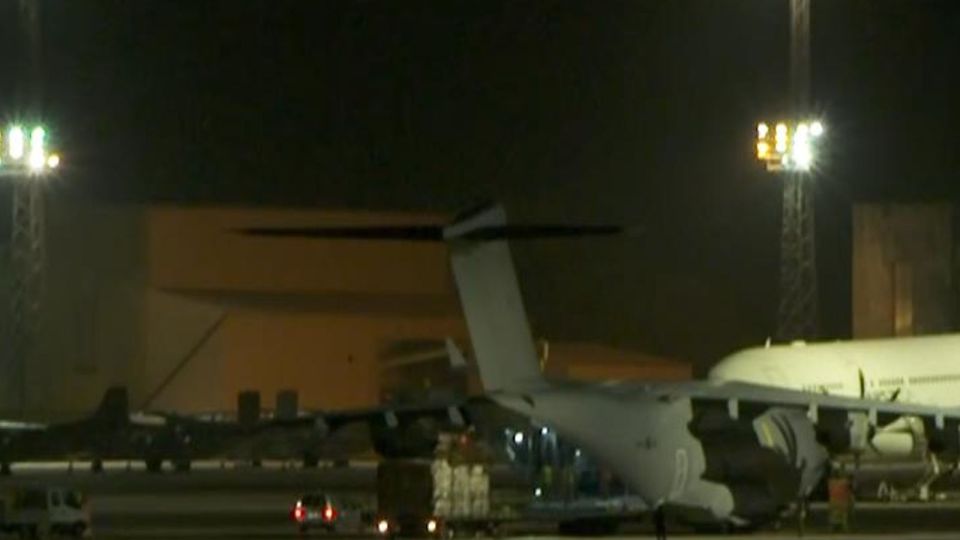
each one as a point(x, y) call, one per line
point(27, 242)
point(798, 310)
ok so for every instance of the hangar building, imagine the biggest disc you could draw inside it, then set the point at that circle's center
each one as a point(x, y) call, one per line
point(174, 304)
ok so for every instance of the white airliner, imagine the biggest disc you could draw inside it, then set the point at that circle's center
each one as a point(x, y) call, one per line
point(923, 370)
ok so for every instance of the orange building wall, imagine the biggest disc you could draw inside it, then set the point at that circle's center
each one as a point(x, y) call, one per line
point(303, 314)
point(173, 304)
point(592, 362)
point(200, 249)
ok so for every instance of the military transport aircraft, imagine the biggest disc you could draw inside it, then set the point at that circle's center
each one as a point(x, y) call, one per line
point(112, 431)
point(727, 450)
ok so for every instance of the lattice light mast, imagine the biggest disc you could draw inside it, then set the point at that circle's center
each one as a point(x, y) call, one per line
point(28, 238)
point(798, 309)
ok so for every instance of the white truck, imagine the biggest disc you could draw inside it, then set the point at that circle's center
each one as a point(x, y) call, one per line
point(42, 512)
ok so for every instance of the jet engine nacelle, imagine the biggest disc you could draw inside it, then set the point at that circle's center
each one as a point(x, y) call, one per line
point(845, 432)
point(895, 444)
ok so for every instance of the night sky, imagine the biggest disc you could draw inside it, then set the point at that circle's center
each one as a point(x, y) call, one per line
point(636, 112)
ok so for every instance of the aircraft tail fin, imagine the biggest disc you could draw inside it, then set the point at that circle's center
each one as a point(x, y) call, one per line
point(114, 408)
point(492, 303)
point(486, 280)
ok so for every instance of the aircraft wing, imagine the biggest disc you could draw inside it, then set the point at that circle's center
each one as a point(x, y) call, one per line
point(755, 395)
point(453, 413)
point(854, 418)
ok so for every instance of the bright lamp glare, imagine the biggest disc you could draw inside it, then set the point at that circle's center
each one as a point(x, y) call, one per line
point(803, 155)
point(816, 129)
point(53, 161)
point(37, 161)
point(781, 129)
point(762, 130)
point(762, 149)
point(518, 437)
point(16, 142)
point(37, 136)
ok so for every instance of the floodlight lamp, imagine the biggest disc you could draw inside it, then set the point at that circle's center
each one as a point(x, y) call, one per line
point(781, 129)
point(37, 137)
point(53, 161)
point(802, 154)
point(762, 130)
point(36, 161)
point(763, 149)
point(16, 144)
point(816, 129)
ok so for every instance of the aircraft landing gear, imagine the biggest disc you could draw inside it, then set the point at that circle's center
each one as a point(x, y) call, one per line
point(310, 460)
point(96, 466)
point(660, 524)
point(803, 509)
point(153, 465)
point(934, 472)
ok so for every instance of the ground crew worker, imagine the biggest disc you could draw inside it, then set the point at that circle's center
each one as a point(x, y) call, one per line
point(840, 492)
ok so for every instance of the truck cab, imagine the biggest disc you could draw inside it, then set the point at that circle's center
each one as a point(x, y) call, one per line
point(34, 512)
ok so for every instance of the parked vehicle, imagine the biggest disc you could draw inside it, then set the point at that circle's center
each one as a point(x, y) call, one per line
point(35, 512)
point(432, 498)
point(319, 510)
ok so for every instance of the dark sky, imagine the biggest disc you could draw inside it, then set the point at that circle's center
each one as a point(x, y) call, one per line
point(638, 112)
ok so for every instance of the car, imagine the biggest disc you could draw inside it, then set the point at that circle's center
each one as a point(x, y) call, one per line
point(319, 510)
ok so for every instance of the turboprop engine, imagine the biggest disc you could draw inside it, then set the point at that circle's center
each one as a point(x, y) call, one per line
point(766, 462)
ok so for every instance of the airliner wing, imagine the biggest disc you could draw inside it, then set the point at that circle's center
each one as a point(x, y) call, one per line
point(755, 395)
point(826, 412)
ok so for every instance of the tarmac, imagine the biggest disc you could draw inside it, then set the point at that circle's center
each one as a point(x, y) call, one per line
point(239, 502)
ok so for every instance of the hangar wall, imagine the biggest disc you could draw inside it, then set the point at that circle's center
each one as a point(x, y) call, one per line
point(174, 304)
point(90, 332)
point(903, 282)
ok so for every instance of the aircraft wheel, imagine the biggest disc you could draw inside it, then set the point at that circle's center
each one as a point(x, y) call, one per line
point(96, 465)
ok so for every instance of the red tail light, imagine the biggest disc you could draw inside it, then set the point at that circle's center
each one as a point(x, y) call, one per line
point(329, 513)
point(299, 514)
